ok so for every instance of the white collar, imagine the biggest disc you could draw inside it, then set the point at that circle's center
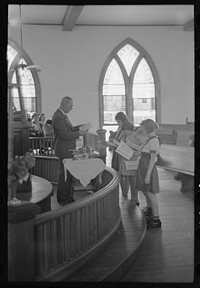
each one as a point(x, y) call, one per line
point(65, 114)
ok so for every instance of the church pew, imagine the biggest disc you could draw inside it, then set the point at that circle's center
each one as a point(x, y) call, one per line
point(180, 159)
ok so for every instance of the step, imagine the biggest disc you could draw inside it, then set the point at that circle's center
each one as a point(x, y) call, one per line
point(119, 252)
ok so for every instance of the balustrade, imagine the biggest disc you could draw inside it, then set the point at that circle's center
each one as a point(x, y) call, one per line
point(66, 235)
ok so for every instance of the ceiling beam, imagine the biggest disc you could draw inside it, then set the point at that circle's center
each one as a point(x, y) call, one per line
point(189, 26)
point(71, 15)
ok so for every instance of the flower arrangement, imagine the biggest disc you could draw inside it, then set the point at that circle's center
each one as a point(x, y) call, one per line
point(19, 167)
point(18, 171)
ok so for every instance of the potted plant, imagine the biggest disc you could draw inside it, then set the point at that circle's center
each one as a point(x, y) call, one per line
point(18, 176)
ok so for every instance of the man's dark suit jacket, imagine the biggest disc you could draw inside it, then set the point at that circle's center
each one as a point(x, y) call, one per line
point(65, 135)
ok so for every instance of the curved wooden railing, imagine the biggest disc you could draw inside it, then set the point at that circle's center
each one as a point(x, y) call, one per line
point(63, 237)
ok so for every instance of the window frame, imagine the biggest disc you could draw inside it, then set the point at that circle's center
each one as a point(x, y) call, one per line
point(22, 54)
point(128, 80)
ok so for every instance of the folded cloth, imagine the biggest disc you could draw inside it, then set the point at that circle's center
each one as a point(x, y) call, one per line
point(84, 170)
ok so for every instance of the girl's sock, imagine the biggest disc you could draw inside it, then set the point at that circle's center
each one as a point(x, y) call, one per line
point(156, 218)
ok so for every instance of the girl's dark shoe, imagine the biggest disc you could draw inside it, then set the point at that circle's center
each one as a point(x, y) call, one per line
point(138, 204)
point(147, 214)
point(148, 219)
point(154, 224)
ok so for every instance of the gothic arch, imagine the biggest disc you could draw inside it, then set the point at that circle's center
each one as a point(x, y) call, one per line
point(128, 80)
point(22, 54)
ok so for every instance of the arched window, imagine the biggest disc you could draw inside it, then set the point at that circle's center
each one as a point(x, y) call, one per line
point(27, 79)
point(129, 82)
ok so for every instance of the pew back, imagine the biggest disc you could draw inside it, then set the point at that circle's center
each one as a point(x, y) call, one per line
point(167, 136)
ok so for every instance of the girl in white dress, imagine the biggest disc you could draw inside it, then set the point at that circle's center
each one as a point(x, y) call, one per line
point(147, 175)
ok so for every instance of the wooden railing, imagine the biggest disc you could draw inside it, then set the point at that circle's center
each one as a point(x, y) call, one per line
point(46, 165)
point(41, 146)
point(44, 145)
point(63, 237)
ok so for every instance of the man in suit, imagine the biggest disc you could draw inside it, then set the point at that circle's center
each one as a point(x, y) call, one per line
point(65, 135)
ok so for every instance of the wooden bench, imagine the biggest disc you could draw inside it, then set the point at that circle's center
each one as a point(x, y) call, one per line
point(167, 136)
point(184, 131)
point(180, 159)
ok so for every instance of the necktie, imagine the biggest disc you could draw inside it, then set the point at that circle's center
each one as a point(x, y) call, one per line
point(70, 124)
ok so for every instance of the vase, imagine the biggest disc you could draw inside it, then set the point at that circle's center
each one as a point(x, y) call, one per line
point(25, 186)
point(12, 200)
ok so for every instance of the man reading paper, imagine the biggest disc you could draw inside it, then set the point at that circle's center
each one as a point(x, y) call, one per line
point(65, 135)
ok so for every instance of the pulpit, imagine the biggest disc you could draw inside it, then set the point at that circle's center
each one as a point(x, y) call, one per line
point(20, 137)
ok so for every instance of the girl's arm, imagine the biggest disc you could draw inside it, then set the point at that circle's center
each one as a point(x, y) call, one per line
point(150, 167)
point(132, 145)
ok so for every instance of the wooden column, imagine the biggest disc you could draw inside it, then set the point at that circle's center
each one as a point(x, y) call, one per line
point(21, 252)
point(102, 137)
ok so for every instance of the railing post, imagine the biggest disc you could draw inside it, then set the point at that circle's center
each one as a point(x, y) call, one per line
point(21, 252)
point(102, 137)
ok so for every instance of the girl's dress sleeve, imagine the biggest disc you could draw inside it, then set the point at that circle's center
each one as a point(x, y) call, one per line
point(154, 146)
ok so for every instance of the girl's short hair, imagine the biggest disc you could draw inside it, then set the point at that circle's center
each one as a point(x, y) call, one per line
point(149, 125)
point(127, 126)
point(138, 132)
point(121, 116)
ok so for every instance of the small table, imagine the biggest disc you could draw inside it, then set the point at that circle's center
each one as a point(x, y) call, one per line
point(41, 193)
point(84, 170)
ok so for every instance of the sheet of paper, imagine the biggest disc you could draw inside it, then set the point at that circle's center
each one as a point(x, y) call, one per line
point(86, 127)
point(116, 142)
point(124, 150)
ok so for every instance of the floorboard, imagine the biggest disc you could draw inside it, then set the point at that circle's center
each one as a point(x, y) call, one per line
point(167, 254)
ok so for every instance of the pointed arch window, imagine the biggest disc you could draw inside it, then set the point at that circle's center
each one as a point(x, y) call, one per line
point(128, 54)
point(113, 91)
point(129, 82)
point(28, 81)
point(143, 93)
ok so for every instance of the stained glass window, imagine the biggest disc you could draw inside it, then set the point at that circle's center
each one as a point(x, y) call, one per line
point(139, 87)
point(128, 55)
point(26, 82)
point(143, 93)
point(113, 92)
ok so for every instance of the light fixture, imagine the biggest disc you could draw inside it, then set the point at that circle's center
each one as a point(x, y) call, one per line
point(22, 65)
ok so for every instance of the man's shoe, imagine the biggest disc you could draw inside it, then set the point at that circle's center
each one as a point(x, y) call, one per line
point(154, 224)
point(65, 202)
point(71, 199)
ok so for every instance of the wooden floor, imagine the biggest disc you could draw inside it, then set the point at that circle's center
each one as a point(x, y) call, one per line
point(166, 255)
